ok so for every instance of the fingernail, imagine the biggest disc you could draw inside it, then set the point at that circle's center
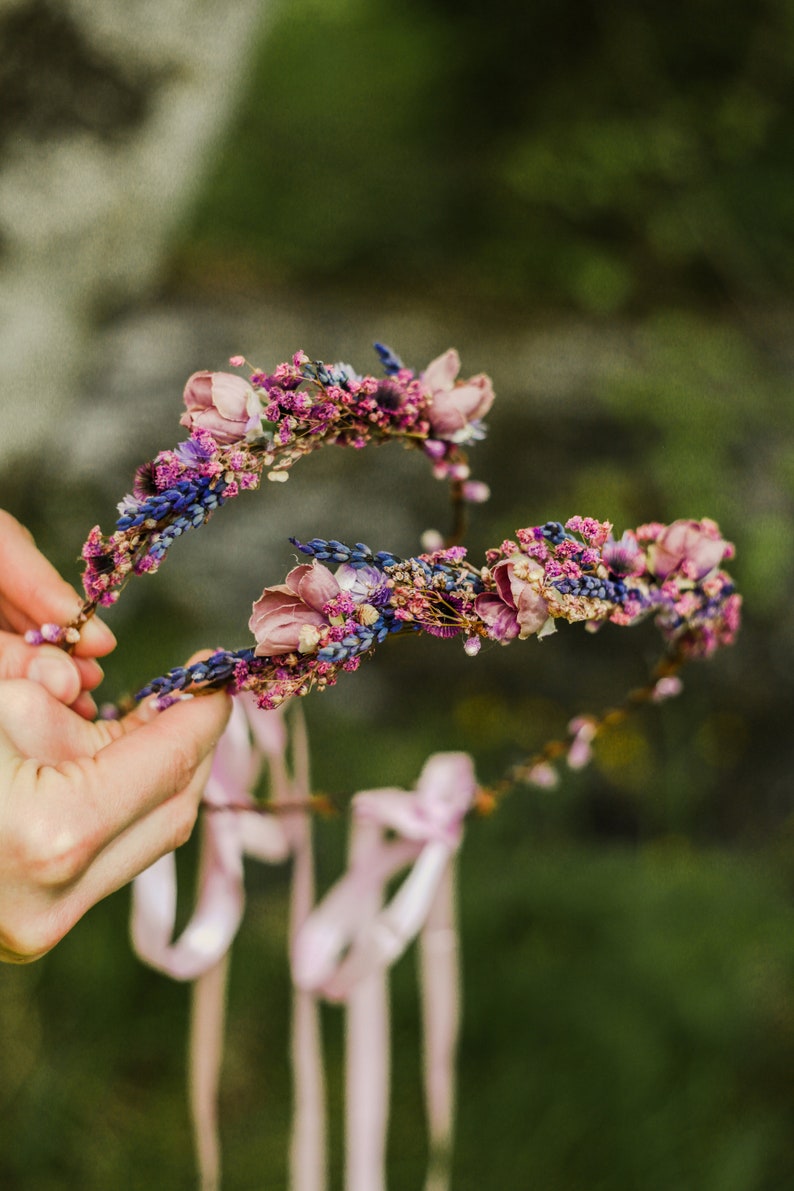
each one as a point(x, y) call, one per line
point(96, 635)
point(57, 675)
point(147, 710)
point(92, 673)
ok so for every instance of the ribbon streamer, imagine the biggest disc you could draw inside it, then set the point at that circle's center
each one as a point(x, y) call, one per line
point(200, 954)
point(341, 949)
point(350, 939)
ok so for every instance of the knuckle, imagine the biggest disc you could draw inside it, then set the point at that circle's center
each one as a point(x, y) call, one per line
point(50, 850)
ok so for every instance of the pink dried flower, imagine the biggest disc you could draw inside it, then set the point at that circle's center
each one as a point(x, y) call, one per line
point(221, 403)
point(454, 404)
point(542, 774)
point(583, 729)
point(476, 492)
point(691, 547)
point(516, 609)
point(667, 688)
point(290, 616)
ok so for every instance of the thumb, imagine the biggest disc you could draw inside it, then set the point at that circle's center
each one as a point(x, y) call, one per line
point(151, 761)
point(45, 664)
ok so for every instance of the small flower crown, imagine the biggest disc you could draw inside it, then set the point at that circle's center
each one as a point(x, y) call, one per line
point(241, 429)
point(321, 622)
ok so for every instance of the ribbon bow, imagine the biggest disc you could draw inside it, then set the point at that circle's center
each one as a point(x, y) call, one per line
point(349, 940)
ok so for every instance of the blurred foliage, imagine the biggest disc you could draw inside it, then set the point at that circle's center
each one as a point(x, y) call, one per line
point(628, 1023)
point(599, 157)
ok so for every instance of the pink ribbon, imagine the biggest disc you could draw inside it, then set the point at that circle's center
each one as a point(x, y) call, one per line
point(350, 939)
point(229, 832)
point(341, 949)
point(227, 836)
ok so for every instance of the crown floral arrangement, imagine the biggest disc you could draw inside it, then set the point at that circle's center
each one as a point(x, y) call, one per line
point(330, 613)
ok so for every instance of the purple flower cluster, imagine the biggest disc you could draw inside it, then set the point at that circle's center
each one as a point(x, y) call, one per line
point(320, 622)
point(240, 428)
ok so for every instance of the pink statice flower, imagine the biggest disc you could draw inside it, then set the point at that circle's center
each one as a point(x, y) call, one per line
point(692, 548)
point(289, 617)
point(454, 404)
point(516, 608)
point(221, 403)
point(594, 532)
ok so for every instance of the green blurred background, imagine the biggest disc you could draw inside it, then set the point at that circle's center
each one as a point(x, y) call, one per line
point(594, 203)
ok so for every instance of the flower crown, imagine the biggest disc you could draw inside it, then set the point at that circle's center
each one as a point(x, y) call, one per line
point(241, 429)
point(320, 621)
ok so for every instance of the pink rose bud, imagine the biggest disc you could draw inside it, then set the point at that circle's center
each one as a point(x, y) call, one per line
point(692, 547)
point(454, 404)
point(283, 617)
point(223, 404)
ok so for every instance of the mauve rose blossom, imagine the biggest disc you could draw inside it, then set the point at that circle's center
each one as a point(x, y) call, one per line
point(282, 617)
point(221, 403)
point(454, 405)
point(516, 610)
point(693, 547)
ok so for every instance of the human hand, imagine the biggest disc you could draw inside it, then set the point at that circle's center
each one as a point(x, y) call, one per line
point(85, 807)
point(32, 593)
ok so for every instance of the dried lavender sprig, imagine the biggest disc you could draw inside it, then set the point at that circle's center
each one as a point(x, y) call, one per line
point(215, 672)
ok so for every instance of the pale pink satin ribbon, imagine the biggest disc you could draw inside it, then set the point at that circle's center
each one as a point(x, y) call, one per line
point(350, 939)
point(200, 953)
point(227, 835)
point(428, 824)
